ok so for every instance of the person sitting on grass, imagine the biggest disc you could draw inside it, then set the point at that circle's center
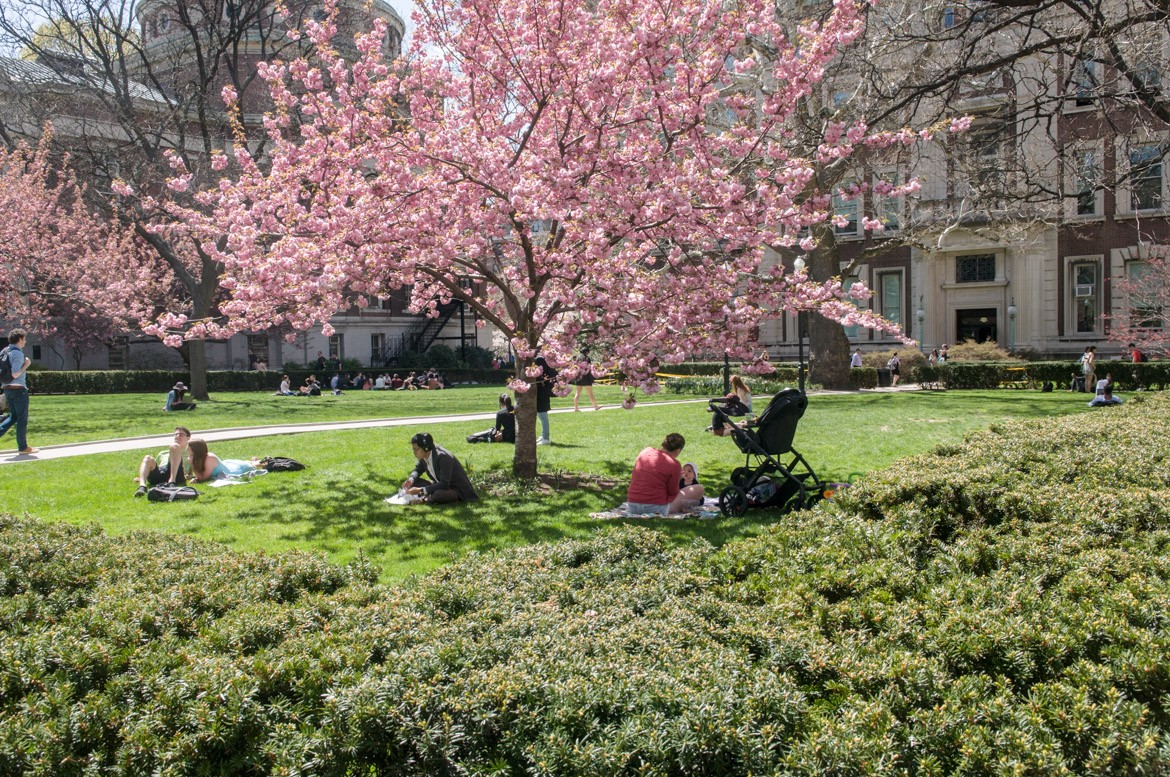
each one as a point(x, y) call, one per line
point(206, 466)
point(448, 480)
point(505, 428)
point(175, 399)
point(690, 490)
point(285, 389)
point(654, 483)
point(168, 467)
point(311, 388)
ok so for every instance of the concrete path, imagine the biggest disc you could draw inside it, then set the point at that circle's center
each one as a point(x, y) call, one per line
point(159, 441)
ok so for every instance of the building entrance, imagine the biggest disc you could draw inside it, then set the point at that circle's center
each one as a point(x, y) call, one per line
point(978, 325)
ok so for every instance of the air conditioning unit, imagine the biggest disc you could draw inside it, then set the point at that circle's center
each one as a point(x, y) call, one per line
point(1082, 290)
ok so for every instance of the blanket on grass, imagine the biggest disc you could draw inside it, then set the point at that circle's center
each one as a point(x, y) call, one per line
point(706, 511)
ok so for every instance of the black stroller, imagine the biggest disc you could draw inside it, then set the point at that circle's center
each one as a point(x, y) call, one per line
point(770, 483)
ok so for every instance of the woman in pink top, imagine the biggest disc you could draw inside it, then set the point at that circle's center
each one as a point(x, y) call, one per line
point(654, 482)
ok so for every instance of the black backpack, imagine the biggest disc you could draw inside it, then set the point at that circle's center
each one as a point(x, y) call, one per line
point(171, 492)
point(5, 366)
point(280, 464)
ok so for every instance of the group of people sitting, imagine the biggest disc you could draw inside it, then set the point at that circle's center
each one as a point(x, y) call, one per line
point(187, 459)
point(430, 379)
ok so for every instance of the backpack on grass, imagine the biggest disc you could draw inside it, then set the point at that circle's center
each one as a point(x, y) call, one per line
point(280, 464)
point(170, 492)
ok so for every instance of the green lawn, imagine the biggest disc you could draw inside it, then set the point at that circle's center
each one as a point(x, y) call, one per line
point(55, 419)
point(336, 506)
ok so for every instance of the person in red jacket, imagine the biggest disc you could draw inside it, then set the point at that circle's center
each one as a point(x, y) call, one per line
point(654, 482)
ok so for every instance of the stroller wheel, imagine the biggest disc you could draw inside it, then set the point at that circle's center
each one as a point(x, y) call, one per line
point(733, 502)
point(740, 475)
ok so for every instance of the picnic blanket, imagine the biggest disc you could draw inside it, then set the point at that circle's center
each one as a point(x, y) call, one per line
point(706, 511)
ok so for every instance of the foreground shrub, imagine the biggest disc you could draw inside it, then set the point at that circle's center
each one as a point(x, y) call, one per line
point(998, 606)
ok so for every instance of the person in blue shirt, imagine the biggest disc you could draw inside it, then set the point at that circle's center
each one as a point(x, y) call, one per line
point(16, 391)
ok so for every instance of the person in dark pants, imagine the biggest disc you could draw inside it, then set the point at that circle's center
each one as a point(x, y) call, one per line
point(544, 392)
point(448, 481)
point(16, 391)
point(505, 428)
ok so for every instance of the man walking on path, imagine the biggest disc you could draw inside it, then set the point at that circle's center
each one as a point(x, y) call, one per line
point(16, 389)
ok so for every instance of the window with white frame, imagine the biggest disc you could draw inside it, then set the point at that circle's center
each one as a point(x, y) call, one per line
point(888, 210)
point(1145, 177)
point(337, 346)
point(1084, 295)
point(889, 295)
point(852, 332)
point(377, 345)
point(1086, 184)
point(1145, 301)
point(844, 209)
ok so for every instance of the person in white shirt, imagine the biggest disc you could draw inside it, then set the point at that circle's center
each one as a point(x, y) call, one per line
point(855, 359)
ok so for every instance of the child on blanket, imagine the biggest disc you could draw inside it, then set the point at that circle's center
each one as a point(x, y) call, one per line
point(690, 494)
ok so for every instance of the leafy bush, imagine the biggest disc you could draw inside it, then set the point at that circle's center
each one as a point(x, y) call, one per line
point(441, 357)
point(911, 358)
point(988, 351)
point(477, 358)
point(997, 606)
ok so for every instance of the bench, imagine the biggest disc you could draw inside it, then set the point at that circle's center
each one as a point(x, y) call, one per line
point(1016, 378)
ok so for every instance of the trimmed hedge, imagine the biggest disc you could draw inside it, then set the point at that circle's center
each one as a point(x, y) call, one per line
point(996, 607)
point(147, 381)
point(988, 375)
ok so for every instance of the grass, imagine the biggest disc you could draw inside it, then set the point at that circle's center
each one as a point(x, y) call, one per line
point(57, 419)
point(335, 507)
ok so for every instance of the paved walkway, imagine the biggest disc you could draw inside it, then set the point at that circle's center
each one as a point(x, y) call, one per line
point(158, 441)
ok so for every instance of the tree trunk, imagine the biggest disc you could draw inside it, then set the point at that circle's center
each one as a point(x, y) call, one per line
point(524, 460)
point(828, 361)
point(198, 355)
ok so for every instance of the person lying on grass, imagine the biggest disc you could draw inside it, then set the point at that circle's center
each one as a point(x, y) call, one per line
point(448, 480)
point(168, 467)
point(206, 466)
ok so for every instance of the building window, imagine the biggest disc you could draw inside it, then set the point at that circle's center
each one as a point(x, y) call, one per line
point(975, 268)
point(888, 210)
point(1145, 178)
point(1087, 183)
point(986, 143)
point(844, 215)
point(36, 353)
point(852, 332)
point(1085, 82)
point(890, 296)
point(258, 346)
point(377, 346)
point(949, 18)
point(1145, 306)
point(337, 346)
point(1084, 296)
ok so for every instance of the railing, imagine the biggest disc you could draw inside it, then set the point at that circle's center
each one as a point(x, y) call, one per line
point(421, 335)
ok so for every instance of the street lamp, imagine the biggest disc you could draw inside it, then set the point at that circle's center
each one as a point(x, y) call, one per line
point(801, 324)
point(920, 314)
point(1012, 325)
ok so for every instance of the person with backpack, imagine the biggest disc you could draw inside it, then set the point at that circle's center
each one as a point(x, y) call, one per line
point(895, 367)
point(13, 370)
point(1136, 354)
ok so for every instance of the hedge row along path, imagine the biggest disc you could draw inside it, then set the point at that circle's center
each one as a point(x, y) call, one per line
point(244, 432)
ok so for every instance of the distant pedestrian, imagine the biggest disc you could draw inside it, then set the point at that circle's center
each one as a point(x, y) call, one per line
point(894, 365)
point(16, 390)
point(942, 354)
point(584, 383)
point(855, 359)
point(1089, 367)
point(544, 392)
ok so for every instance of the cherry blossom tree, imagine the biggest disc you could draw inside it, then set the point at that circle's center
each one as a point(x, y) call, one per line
point(68, 274)
point(1141, 300)
point(612, 168)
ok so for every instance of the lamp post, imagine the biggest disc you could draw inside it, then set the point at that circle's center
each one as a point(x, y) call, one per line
point(920, 314)
point(1011, 311)
point(801, 322)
